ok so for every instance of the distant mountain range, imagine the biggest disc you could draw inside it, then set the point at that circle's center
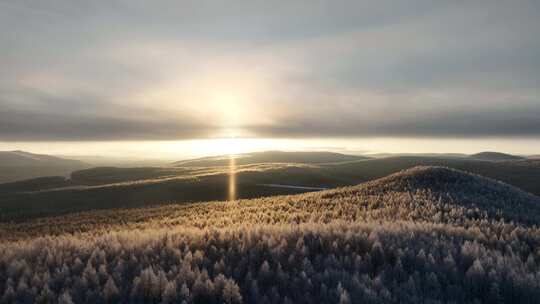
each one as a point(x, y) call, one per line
point(20, 165)
point(270, 157)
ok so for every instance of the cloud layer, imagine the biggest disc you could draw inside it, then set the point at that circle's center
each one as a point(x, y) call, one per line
point(113, 70)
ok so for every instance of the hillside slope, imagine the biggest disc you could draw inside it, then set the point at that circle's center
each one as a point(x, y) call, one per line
point(19, 165)
point(428, 234)
point(495, 156)
point(425, 194)
point(522, 174)
point(107, 188)
point(271, 157)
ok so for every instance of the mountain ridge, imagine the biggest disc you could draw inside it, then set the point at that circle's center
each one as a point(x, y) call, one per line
point(20, 165)
point(495, 156)
point(407, 195)
point(20, 157)
point(311, 157)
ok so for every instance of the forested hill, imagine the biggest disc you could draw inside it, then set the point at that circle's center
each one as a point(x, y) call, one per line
point(495, 156)
point(424, 235)
point(427, 194)
point(20, 165)
point(271, 157)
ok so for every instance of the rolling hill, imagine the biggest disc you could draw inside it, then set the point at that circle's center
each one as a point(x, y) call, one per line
point(108, 187)
point(271, 157)
point(423, 193)
point(426, 234)
point(19, 165)
point(495, 156)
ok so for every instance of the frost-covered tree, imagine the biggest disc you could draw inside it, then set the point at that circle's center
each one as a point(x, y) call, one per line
point(376, 243)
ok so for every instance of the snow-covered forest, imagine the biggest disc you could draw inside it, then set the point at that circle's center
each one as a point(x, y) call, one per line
point(425, 235)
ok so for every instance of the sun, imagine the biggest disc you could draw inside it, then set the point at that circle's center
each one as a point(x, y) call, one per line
point(230, 107)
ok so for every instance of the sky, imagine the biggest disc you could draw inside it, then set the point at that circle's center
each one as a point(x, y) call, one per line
point(384, 76)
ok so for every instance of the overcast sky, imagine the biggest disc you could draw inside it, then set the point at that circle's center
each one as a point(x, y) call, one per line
point(169, 70)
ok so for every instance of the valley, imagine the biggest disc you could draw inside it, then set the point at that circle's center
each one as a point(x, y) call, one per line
point(208, 179)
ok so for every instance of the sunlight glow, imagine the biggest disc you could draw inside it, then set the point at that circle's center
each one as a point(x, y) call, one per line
point(230, 107)
point(175, 150)
point(231, 145)
point(232, 178)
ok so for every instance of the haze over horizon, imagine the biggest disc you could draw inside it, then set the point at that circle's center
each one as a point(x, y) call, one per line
point(168, 78)
point(168, 151)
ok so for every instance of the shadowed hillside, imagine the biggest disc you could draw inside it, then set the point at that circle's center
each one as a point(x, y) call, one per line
point(19, 165)
point(109, 187)
point(271, 157)
point(522, 174)
point(430, 194)
point(495, 156)
point(428, 234)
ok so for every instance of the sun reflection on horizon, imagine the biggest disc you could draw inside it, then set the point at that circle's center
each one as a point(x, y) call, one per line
point(232, 177)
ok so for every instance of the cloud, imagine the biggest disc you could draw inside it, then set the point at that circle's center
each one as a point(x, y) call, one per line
point(462, 123)
point(95, 120)
point(113, 70)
